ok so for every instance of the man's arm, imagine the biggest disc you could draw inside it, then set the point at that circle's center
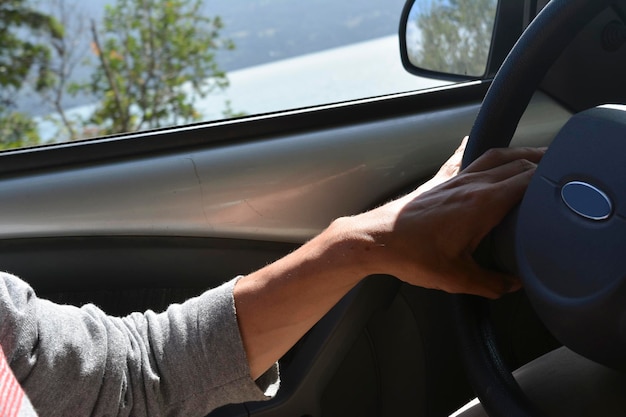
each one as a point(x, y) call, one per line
point(80, 362)
point(426, 238)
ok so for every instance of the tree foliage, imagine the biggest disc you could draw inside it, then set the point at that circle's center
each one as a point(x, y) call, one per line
point(20, 57)
point(68, 52)
point(454, 35)
point(19, 53)
point(154, 58)
point(17, 130)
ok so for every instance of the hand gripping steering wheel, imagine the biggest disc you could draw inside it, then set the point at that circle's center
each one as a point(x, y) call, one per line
point(570, 237)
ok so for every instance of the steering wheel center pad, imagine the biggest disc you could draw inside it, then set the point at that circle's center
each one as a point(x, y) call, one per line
point(570, 260)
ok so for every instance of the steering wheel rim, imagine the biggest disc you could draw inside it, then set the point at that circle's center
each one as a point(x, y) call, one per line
point(508, 96)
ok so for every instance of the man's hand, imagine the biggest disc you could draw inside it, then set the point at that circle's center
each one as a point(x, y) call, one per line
point(428, 237)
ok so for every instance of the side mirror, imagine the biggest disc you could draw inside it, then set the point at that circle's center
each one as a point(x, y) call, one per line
point(448, 39)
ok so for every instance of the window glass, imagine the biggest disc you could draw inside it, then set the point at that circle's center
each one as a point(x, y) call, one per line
point(72, 69)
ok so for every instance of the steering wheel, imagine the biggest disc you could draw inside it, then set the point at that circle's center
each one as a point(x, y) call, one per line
point(569, 191)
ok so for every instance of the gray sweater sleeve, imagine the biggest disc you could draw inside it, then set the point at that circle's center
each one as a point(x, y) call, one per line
point(80, 362)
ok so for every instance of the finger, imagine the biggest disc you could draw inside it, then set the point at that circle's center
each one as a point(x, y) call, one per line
point(499, 156)
point(448, 170)
point(500, 198)
point(513, 188)
point(468, 277)
point(453, 165)
point(458, 153)
point(506, 171)
point(485, 282)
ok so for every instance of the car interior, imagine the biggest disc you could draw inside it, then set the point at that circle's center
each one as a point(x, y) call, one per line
point(141, 220)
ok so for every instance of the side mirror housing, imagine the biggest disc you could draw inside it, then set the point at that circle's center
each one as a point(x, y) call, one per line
point(460, 39)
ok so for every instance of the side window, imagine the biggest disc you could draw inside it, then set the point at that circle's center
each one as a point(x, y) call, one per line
point(71, 69)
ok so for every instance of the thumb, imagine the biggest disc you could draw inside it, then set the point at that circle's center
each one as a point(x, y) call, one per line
point(489, 283)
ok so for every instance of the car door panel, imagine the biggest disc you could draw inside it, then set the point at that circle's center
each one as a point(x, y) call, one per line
point(285, 187)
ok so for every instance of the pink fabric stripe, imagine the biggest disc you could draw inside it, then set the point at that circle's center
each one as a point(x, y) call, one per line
point(11, 394)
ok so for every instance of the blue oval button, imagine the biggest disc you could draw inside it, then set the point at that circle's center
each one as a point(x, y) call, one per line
point(586, 200)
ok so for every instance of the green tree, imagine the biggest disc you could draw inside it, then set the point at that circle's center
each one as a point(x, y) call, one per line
point(20, 57)
point(67, 53)
point(155, 57)
point(454, 35)
point(17, 130)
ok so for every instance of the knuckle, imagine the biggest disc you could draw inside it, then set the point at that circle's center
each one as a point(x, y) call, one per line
point(525, 164)
point(494, 153)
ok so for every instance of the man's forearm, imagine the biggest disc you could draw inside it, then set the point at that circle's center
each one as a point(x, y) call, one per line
point(278, 304)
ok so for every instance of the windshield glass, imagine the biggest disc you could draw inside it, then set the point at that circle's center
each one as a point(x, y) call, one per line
point(71, 69)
